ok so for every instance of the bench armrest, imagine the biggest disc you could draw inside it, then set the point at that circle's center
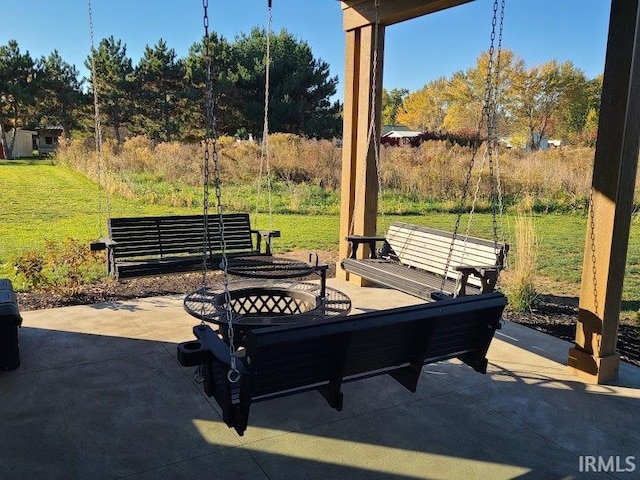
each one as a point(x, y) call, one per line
point(488, 275)
point(357, 240)
point(110, 246)
point(267, 235)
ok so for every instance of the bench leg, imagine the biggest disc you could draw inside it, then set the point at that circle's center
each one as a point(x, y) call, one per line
point(408, 377)
point(333, 395)
point(479, 364)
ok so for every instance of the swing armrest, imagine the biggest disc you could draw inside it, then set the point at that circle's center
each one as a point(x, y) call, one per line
point(488, 275)
point(267, 235)
point(110, 246)
point(357, 240)
point(100, 244)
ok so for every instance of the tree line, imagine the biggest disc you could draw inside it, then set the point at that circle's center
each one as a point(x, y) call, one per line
point(163, 97)
point(553, 100)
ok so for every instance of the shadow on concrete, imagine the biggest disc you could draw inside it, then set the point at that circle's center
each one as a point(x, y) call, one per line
point(96, 406)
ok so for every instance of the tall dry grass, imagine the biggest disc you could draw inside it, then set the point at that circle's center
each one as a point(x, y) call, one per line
point(518, 282)
point(436, 172)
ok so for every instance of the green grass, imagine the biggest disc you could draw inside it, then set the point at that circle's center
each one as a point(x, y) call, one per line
point(42, 202)
point(45, 202)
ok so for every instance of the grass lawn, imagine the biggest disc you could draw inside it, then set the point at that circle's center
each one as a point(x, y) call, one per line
point(41, 202)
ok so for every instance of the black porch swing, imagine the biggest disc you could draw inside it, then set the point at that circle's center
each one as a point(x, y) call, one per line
point(241, 366)
point(139, 246)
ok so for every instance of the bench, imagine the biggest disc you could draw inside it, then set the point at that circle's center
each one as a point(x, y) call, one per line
point(413, 259)
point(293, 358)
point(141, 246)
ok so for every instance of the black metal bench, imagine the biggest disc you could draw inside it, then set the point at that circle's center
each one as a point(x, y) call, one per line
point(141, 246)
point(284, 360)
point(422, 262)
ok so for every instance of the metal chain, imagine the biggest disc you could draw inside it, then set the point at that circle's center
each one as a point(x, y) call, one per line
point(265, 155)
point(372, 133)
point(211, 139)
point(593, 250)
point(486, 101)
point(495, 196)
point(98, 131)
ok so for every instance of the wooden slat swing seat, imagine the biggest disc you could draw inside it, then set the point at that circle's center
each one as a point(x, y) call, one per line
point(290, 359)
point(418, 260)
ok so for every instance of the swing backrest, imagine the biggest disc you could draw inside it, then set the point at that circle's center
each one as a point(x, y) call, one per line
point(429, 249)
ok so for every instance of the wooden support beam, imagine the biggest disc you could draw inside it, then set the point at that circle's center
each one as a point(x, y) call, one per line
point(594, 355)
point(360, 13)
point(359, 198)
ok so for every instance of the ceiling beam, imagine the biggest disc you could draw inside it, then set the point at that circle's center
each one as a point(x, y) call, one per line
point(359, 13)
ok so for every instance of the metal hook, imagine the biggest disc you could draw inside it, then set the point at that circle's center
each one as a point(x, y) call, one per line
point(233, 376)
point(198, 377)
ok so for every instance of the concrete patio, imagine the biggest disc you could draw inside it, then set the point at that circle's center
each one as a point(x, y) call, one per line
point(100, 395)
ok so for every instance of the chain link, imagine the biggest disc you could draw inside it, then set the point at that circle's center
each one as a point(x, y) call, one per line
point(100, 162)
point(211, 143)
point(486, 107)
point(592, 228)
point(372, 135)
point(265, 154)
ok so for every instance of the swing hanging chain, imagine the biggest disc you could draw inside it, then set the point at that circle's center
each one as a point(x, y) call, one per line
point(492, 134)
point(265, 132)
point(592, 228)
point(372, 133)
point(373, 124)
point(265, 153)
point(233, 375)
point(97, 129)
point(485, 114)
point(206, 159)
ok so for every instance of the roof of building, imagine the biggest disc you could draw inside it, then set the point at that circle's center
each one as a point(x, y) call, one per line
point(394, 128)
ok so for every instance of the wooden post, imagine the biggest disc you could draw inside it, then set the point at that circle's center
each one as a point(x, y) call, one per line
point(594, 355)
point(359, 200)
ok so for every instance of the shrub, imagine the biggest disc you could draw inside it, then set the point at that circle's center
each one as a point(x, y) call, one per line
point(63, 267)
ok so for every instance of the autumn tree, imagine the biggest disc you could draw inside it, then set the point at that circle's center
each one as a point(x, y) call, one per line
point(467, 93)
point(425, 109)
point(391, 103)
point(543, 96)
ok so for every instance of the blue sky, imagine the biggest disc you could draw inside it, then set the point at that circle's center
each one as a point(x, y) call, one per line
point(416, 52)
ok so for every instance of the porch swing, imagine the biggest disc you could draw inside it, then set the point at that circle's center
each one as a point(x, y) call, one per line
point(240, 366)
point(156, 245)
point(433, 264)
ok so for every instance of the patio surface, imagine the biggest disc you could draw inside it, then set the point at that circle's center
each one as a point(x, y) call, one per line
point(100, 395)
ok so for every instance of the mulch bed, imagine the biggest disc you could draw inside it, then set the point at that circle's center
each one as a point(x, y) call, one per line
point(552, 317)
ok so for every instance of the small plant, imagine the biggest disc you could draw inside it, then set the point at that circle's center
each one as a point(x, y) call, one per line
point(29, 269)
point(519, 284)
point(62, 268)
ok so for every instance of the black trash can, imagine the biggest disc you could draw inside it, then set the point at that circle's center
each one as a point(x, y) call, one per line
point(10, 321)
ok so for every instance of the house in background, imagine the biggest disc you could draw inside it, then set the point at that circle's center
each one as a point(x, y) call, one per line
point(29, 143)
point(399, 135)
point(24, 145)
point(48, 138)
